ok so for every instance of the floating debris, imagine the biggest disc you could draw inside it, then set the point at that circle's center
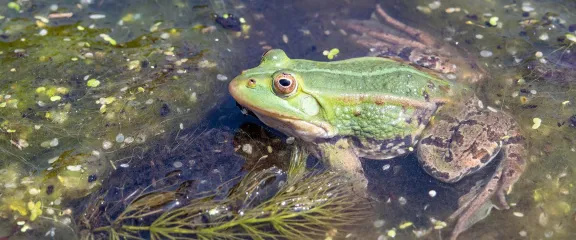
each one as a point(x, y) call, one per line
point(378, 223)
point(108, 39)
point(155, 27)
point(129, 140)
point(331, 54)
point(543, 219)
point(74, 168)
point(438, 224)
point(35, 211)
point(405, 225)
point(61, 15)
point(106, 144)
point(453, 10)
point(434, 5)
point(97, 16)
point(120, 137)
point(93, 83)
point(486, 53)
point(402, 200)
point(14, 6)
point(177, 164)
point(423, 9)
point(221, 77)
point(537, 122)
point(54, 142)
point(527, 7)
point(247, 148)
point(391, 233)
point(571, 37)
point(386, 167)
point(493, 21)
point(538, 54)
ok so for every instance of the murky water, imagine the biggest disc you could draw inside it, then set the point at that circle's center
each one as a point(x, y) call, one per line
point(103, 102)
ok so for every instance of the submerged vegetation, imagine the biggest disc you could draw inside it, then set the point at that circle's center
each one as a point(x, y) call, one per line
point(264, 205)
point(100, 101)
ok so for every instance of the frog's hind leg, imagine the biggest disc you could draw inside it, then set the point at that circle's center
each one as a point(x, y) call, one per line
point(413, 38)
point(463, 139)
point(424, 38)
point(507, 173)
point(374, 37)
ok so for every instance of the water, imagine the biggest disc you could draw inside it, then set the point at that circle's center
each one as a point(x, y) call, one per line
point(155, 73)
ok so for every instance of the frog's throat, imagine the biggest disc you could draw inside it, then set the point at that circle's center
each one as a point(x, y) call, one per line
point(307, 131)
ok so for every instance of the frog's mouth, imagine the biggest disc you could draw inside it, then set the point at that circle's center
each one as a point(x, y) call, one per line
point(306, 130)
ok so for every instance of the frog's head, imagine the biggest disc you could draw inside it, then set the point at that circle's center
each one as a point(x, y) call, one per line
point(274, 91)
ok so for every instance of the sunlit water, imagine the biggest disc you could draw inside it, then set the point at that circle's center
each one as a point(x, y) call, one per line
point(102, 101)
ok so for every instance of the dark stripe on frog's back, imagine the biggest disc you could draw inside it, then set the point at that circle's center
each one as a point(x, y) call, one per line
point(369, 75)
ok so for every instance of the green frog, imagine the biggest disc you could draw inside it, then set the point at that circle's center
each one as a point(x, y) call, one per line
point(385, 107)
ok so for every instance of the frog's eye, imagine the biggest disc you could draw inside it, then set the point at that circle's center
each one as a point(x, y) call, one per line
point(285, 84)
point(264, 54)
point(274, 55)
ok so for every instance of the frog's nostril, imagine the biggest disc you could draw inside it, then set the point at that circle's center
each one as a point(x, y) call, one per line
point(251, 83)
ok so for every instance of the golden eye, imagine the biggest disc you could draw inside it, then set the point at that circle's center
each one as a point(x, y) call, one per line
point(285, 84)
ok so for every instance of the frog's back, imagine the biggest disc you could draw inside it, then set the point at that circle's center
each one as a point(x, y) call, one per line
point(380, 105)
point(373, 76)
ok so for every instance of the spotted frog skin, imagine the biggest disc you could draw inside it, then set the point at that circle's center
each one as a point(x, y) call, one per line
point(381, 108)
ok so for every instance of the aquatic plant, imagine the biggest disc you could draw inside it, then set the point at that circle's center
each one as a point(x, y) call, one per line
point(263, 205)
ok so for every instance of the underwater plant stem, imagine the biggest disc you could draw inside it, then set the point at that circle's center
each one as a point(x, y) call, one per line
point(298, 159)
point(136, 228)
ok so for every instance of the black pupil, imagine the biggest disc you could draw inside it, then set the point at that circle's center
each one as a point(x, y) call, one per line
point(284, 82)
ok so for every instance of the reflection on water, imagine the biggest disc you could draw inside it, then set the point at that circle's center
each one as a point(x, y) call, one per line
point(106, 100)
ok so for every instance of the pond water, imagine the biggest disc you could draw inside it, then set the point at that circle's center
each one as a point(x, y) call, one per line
point(116, 121)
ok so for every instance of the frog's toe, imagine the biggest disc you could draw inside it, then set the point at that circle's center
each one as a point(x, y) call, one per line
point(502, 203)
point(380, 33)
point(370, 42)
point(422, 36)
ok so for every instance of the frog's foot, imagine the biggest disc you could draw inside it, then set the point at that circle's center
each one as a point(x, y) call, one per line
point(463, 139)
point(478, 204)
point(394, 39)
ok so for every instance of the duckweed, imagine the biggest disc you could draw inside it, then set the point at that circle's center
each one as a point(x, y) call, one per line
point(93, 83)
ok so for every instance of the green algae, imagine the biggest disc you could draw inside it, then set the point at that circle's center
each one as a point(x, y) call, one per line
point(58, 63)
point(59, 126)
